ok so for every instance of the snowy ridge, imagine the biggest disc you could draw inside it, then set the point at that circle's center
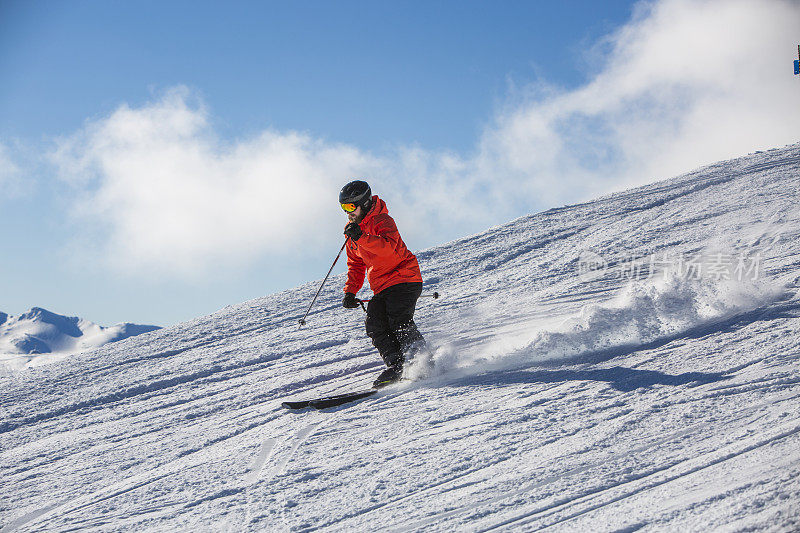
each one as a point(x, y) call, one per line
point(24, 339)
point(639, 393)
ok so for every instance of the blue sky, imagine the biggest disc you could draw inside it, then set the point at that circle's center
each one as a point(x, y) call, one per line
point(159, 160)
point(369, 73)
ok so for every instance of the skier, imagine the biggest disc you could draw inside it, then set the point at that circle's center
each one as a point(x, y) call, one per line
point(375, 248)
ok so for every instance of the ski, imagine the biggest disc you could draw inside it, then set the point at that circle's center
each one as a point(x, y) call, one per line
point(329, 401)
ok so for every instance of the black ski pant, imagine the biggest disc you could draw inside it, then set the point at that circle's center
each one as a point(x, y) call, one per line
point(390, 322)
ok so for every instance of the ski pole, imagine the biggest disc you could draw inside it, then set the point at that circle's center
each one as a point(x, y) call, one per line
point(303, 320)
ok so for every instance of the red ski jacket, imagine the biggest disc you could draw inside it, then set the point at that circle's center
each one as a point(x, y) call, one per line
point(380, 253)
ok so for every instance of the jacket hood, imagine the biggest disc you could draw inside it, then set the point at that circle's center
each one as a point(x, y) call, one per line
point(378, 208)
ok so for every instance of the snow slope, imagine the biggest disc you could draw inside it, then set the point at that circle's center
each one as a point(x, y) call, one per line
point(626, 364)
point(40, 336)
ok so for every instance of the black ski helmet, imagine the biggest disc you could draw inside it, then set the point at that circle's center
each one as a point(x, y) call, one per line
point(356, 192)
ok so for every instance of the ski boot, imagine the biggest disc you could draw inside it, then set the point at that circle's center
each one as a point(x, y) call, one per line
point(390, 375)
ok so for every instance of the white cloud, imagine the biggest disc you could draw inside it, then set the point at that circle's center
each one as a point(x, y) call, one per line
point(685, 83)
point(170, 197)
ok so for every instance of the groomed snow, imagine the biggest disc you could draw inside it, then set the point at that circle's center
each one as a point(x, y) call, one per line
point(574, 388)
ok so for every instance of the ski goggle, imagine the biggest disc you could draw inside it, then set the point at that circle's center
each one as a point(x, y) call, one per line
point(349, 208)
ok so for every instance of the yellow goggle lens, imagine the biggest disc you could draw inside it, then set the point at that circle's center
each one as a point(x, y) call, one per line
point(349, 208)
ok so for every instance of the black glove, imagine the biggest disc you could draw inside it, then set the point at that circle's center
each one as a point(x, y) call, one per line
point(349, 301)
point(353, 231)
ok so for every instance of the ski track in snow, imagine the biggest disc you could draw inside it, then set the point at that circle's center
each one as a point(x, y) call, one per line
point(556, 402)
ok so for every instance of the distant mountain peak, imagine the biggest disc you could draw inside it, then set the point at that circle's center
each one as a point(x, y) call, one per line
point(67, 325)
point(41, 331)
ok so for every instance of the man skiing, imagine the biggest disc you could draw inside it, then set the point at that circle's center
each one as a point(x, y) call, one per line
point(375, 248)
